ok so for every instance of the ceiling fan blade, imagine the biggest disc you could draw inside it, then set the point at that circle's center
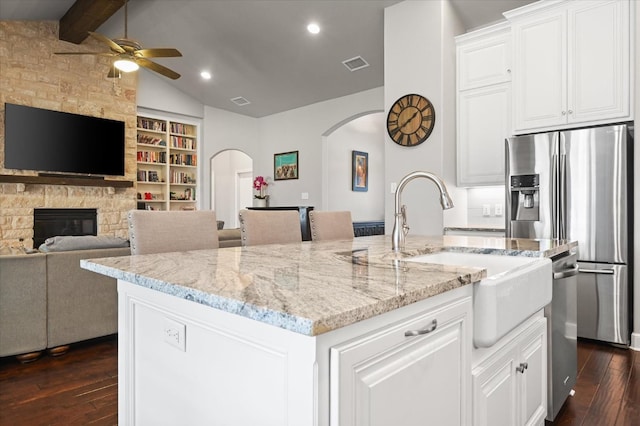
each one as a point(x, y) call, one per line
point(112, 45)
point(158, 53)
point(158, 68)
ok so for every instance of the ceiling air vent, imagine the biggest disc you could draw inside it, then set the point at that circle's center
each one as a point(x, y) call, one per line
point(355, 64)
point(240, 101)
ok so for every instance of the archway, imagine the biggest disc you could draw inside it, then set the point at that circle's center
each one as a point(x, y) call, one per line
point(364, 133)
point(231, 185)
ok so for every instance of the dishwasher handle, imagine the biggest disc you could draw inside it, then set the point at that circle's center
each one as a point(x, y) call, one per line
point(598, 271)
point(567, 272)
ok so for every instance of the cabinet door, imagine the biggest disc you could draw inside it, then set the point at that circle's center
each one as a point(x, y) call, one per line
point(495, 390)
point(484, 60)
point(598, 60)
point(483, 125)
point(388, 378)
point(533, 380)
point(539, 74)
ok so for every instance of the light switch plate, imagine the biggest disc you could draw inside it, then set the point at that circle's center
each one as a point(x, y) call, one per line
point(498, 209)
point(486, 210)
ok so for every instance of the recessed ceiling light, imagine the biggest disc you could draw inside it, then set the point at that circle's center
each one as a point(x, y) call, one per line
point(313, 28)
point(205, 75)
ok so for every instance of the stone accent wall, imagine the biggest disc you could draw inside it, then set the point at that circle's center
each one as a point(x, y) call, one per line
point(31, 74)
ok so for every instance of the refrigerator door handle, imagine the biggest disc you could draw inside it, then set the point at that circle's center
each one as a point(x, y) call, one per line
point(554, 197)
point(562, 199)
point(567, 272)
point(598, 271)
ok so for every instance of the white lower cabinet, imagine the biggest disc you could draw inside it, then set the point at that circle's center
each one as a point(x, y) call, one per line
point(510, 380)
point(411, 373)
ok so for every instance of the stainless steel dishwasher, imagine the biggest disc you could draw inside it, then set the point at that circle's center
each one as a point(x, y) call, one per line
point(562, 332)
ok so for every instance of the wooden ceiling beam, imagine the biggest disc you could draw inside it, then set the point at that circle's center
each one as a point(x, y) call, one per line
point(84, 16)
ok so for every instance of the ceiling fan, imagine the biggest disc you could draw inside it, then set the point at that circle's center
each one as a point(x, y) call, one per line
point(129, 54)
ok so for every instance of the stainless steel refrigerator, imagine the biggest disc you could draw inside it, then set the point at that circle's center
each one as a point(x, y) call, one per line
point(578, 185)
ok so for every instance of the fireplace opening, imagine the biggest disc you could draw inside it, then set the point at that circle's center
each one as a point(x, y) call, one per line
point(49, 223)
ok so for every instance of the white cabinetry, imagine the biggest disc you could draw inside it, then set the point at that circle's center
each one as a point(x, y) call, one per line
point(571, 64)
point(186, 363)
point(387, 377)
point(484, 104)
point(510, 382)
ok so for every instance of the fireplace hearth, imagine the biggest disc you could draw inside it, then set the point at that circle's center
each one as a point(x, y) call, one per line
point(49, 223)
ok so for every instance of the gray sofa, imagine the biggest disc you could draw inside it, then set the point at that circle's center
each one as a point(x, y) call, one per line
point(47, 301)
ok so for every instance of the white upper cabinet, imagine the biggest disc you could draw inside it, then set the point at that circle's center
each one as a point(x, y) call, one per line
point(484, 57)
point(484, 104)
point(571, 64)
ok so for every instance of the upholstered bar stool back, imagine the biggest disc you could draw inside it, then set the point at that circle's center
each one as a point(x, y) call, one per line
point(269, 227)
point(331, 225)
point(165, 231)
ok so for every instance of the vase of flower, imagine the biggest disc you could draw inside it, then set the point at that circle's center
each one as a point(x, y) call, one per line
point(260, 202)
point(260, 199)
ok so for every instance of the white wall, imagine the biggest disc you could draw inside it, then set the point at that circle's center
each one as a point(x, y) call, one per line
point(417, 60)
point(635, 337)
point(303, 130)
point(226, 130)
point(155, 93)
point(365, 134)
point(226, 166)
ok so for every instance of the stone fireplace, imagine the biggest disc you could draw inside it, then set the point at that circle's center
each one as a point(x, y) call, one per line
point(53, 222)
point(76, 84)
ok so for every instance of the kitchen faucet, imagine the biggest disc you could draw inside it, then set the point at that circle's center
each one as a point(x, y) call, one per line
point(400, 227)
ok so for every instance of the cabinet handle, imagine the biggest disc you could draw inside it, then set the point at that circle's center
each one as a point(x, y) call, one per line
point(523, 366)
point(570, 111)
point(508, 70)
point(564, 113)
point(426, 330)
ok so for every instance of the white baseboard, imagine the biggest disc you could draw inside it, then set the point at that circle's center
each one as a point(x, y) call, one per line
point(635, 341)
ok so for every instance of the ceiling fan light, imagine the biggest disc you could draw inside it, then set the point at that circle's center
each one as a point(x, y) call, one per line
point(126, 65)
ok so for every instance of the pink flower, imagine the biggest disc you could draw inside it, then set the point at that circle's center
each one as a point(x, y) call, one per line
point(259, 182)
point(260, 185)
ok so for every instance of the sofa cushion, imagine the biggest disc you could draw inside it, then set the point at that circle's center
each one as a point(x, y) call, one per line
point(81, 242)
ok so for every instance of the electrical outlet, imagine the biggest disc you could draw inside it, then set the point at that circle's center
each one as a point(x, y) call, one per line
point(175, 334)
point(486, 210)
point(498, 210)
point(304, 196)
point(393, 187)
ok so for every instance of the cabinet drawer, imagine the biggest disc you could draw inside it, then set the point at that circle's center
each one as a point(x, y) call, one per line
point(411, 372)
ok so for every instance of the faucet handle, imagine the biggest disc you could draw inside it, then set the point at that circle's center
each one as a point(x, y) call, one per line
point(403, 213)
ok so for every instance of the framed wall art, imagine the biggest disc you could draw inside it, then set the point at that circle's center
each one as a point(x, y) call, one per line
point(359, 171)
point(285, 165)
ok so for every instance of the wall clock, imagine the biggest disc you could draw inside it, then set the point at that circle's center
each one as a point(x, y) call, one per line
point(411, 120)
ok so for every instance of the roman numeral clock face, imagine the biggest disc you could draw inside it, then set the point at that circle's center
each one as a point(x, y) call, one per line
point(411, 120)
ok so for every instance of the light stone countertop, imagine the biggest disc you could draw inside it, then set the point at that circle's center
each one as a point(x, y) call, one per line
point(314, 287)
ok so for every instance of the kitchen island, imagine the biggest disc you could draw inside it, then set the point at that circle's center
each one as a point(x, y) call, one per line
point(278, 334)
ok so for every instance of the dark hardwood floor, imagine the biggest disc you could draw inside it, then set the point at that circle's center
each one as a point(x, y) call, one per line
point(80, 388)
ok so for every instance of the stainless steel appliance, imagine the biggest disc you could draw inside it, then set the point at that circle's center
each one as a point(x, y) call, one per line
point(562, 350)
point(577, 185)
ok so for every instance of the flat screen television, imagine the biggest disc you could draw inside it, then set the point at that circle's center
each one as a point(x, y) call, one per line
point(52, 141)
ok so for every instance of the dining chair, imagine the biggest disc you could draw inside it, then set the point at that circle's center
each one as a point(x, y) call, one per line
point(166, 231)
point(269, 227)
point(331, 225)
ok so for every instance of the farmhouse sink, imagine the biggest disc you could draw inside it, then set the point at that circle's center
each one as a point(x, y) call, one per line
point(515, 288)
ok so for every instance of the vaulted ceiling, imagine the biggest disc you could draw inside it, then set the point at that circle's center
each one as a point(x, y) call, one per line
point(256, 49)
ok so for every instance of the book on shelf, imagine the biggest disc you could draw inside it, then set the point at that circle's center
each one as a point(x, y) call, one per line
point(159, 157)
point(183, 159)
point(182, 142)
point(150, 140)
point(151, 124)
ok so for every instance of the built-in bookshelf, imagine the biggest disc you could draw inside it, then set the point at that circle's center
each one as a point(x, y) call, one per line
point(167, 164)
